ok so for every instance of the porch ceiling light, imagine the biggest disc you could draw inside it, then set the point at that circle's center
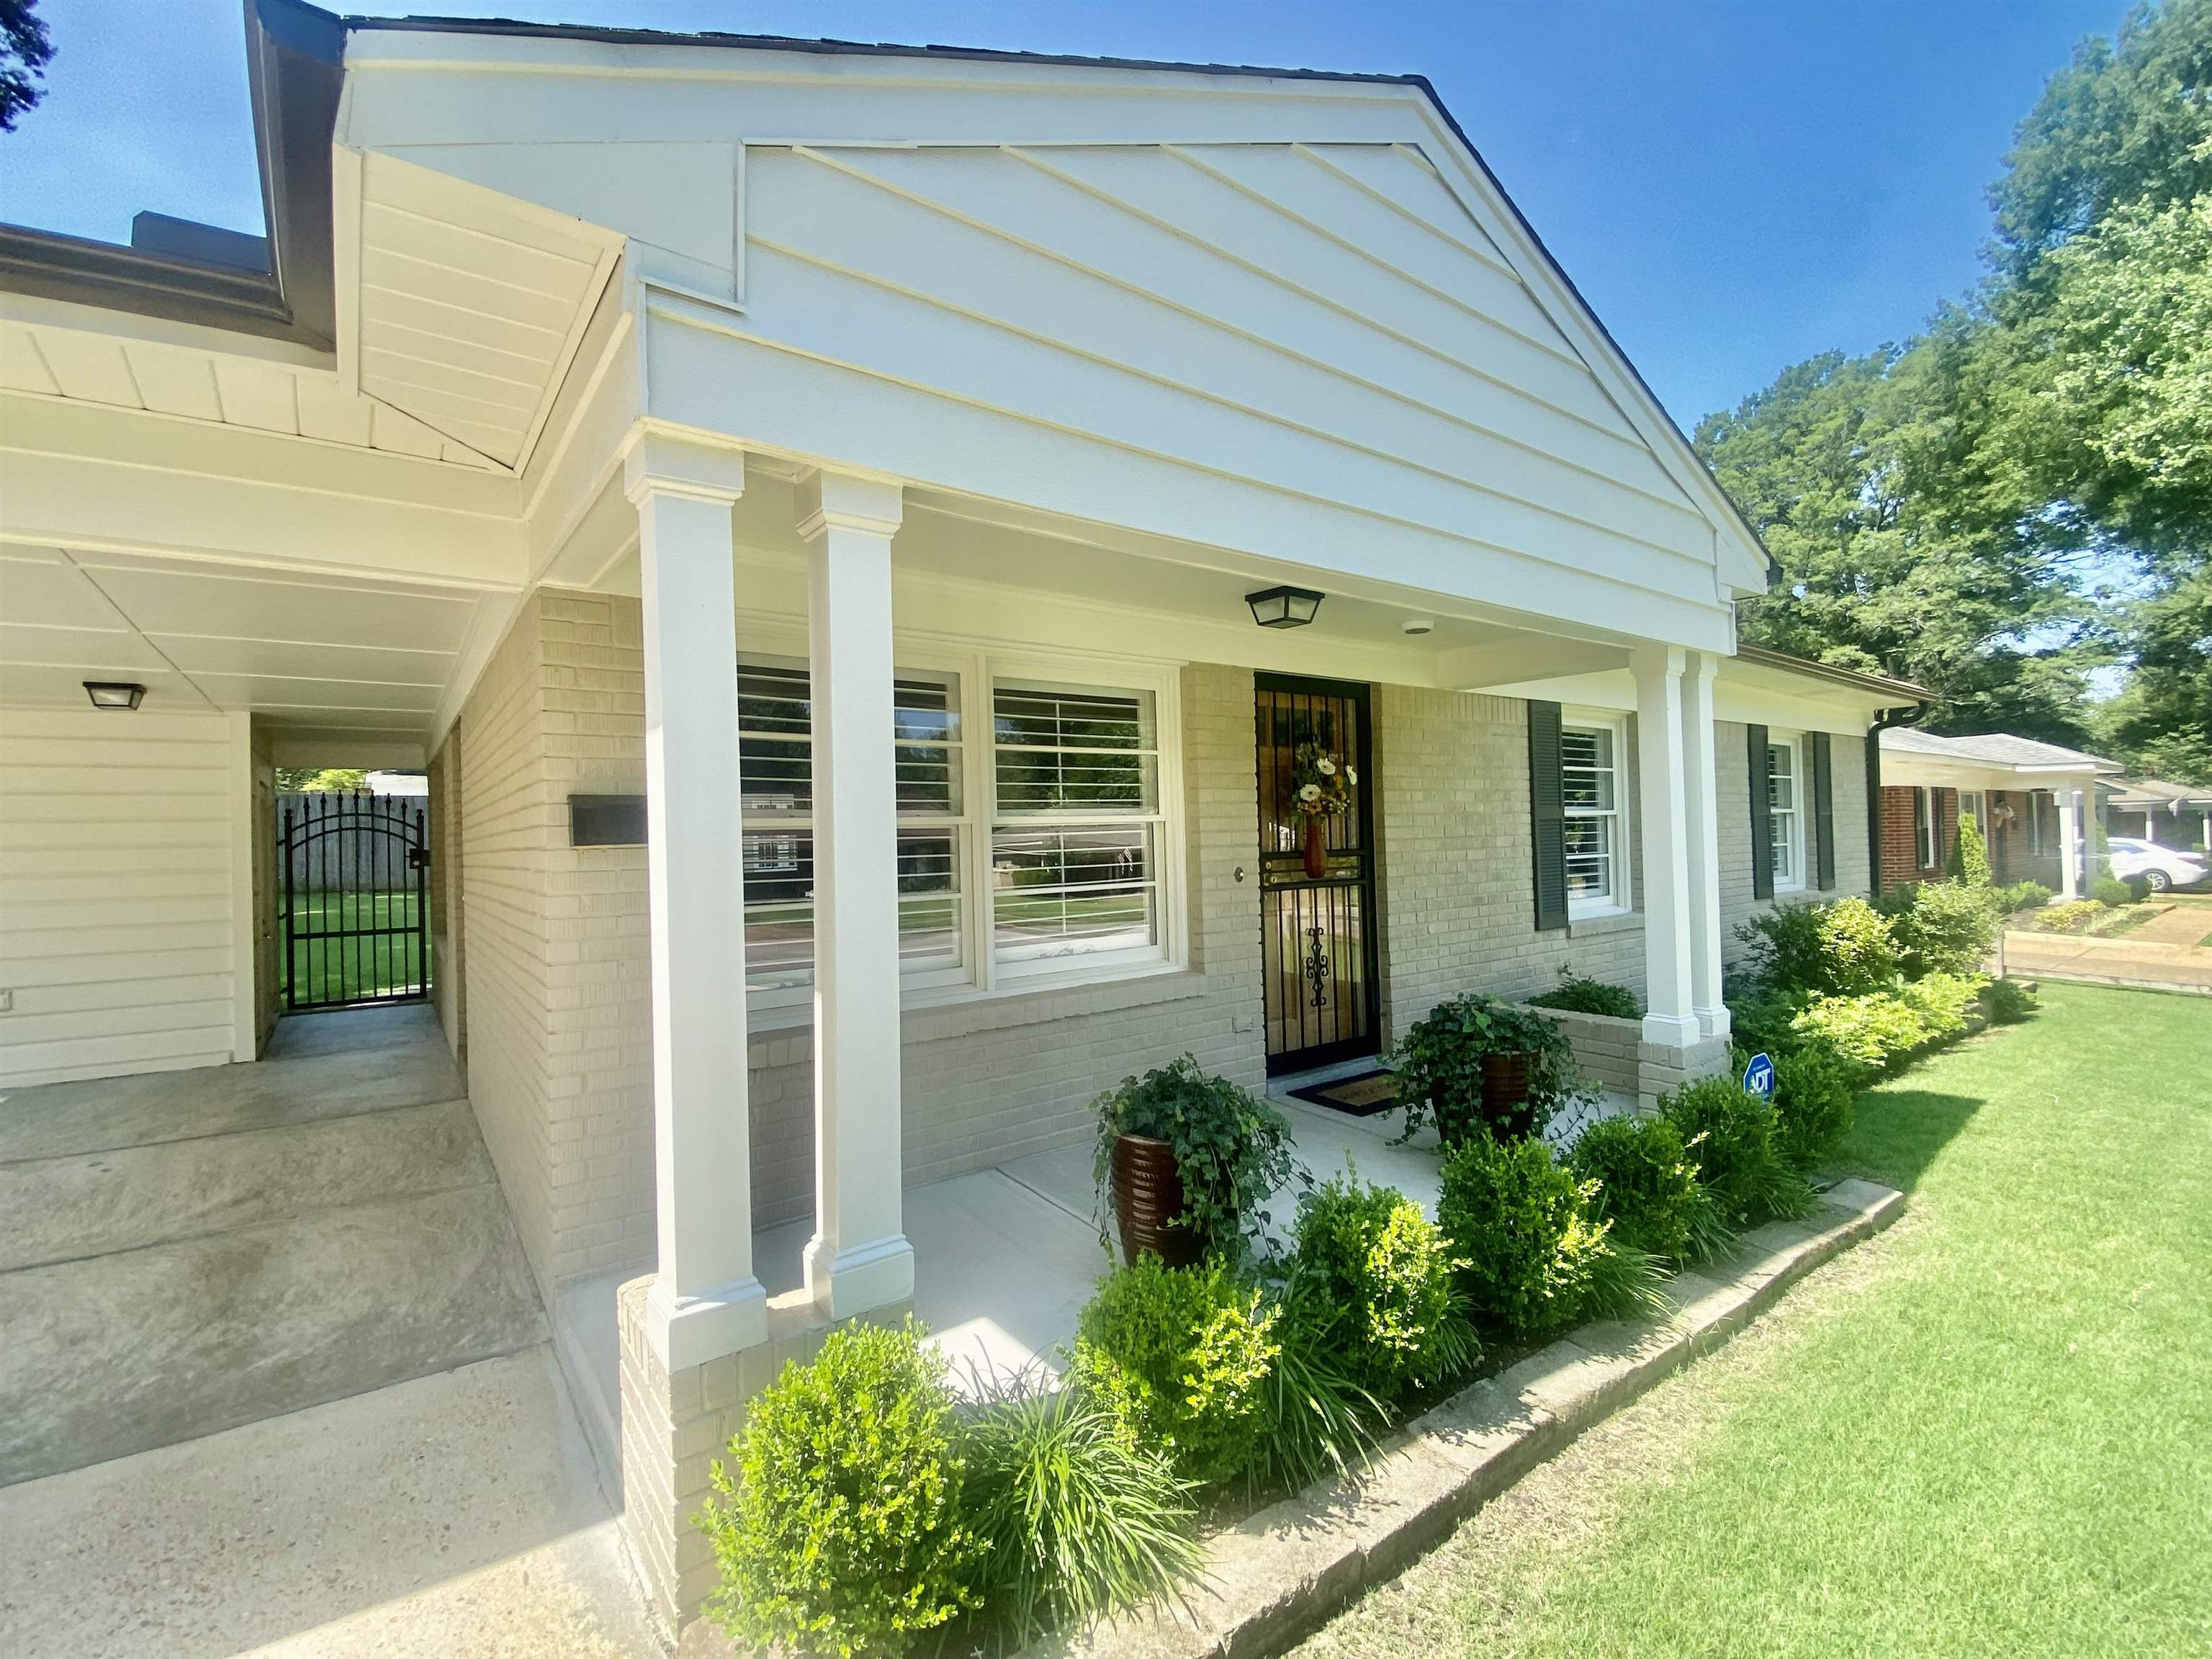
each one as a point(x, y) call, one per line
point(114, 693)
point(1284, 607)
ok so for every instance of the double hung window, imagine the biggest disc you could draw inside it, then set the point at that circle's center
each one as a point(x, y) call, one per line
point(1593, 783)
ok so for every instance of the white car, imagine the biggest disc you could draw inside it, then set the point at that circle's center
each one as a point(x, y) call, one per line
point(2161, 867)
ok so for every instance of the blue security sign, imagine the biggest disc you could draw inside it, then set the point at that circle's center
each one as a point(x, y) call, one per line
point(1759, 1076)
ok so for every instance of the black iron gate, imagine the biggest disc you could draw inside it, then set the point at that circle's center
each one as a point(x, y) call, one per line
point(1318, 934)
point(355, 873)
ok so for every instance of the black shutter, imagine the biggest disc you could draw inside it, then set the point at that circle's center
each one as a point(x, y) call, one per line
point(1824, 813)
point(1547, 816)
point(1762, 835)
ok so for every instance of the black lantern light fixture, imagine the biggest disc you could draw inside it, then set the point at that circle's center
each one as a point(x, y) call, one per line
point(114, 693)
point(1284, 607)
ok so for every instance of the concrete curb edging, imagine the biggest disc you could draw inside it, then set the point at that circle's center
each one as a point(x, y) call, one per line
point(1273, 1579)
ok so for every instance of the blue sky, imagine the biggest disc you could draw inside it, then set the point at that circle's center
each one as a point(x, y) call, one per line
point(1734, 187)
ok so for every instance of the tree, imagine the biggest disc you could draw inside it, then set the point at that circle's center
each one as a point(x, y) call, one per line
point(25, 51)
point(320, 779)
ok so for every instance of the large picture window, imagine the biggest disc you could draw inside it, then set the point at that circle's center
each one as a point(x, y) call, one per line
point(1035, 853)
point(1785, 811)
point(1593, 781)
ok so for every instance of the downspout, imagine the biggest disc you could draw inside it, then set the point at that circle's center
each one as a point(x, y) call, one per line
point(1884, 718)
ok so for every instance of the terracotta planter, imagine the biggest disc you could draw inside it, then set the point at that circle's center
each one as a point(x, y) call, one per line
point(1316, 847)
point(1504, 1085)
point(1147, 1197)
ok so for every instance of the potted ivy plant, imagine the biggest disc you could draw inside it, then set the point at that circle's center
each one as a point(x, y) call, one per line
point(1479, 1063)
point(1188, 1160)
point(1321, 789)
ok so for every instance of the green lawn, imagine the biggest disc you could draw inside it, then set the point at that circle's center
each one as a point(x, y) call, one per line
point(348, 970)
point(1987, 1433)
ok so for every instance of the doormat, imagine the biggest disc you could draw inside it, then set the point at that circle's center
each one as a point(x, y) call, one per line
point(1364, 1095)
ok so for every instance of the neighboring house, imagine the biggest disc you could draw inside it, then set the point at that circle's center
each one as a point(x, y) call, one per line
point(2036, 804)
point(809, 509)
point(2177, 815)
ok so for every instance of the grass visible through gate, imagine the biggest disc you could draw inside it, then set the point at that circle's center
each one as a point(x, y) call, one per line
point(333, 970)
point(1984, 1433)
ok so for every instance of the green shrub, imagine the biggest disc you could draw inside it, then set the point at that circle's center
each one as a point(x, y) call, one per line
point(2007, 1001)
point(1869, 1030)
point(1520, 1221)
point(1839, 949)
point(1580, 995)
point(1439, 1067)
point(1730, 1135)
point(842, 1530)
point(2111, 892)
point(1970, 855)
point(1762, 1019)
point(2071, 917)
point(1816, 1091)
point(1646, 1185)
point(1232, 1148)
point(2026, 895)
point(1180, 1356)
point(1944, 1003)
point(1944, 927)
point(1371, 1278)
point(1080, 1520)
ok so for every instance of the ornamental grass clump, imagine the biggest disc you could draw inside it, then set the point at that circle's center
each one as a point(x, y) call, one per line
point(842, 1530)
point(1081, 1519)
point(1181, 1357)
point(1370, 1282)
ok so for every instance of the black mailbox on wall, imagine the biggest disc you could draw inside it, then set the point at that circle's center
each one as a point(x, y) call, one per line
point(606, 820)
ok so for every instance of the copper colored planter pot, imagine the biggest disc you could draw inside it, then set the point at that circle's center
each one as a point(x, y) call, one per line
point(1147, 1197)
point(1504, 1083)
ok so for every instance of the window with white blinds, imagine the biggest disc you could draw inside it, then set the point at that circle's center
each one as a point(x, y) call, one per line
point(1035, 853)
point(1593, 784)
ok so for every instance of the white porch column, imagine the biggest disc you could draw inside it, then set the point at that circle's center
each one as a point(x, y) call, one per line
point(1663, 795)
point(859, 1257)
point(2070, 843)
point(1702, 857)
point(705, 1302)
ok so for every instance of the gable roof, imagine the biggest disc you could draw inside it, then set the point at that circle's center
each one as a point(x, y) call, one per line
point(1998, 749)
point(293, 49)
point(2156, 794)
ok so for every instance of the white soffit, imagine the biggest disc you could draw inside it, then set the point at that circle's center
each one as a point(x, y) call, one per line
point(82, 354)
point(458, 304)
point(317, 656)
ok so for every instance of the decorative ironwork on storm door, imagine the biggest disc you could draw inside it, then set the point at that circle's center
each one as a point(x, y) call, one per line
point(1317, 934)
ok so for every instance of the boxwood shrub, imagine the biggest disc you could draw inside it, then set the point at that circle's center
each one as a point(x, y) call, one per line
point(1646, 1186)
point(1371, 1280)
point(1734, 1138)
point(842, 1530)
point(1815, 1092)
point(1522, 1223)
point(1180, 1357)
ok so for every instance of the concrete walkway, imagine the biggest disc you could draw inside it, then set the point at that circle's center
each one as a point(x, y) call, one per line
point(186, 1252)
point(455, 1514)
point(2166, 952)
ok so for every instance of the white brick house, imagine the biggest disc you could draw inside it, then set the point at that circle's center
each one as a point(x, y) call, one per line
point(862, 458)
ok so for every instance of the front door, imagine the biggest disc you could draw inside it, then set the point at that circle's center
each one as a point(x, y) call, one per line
point(1317, 932)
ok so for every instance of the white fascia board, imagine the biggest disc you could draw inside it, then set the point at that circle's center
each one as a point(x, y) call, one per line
point(707, 373)
point(36, 311)
point(1816, 707)
point(454, 88)
point(1911, 769)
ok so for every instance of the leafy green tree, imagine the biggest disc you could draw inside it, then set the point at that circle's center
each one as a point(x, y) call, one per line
point(25, 51)
point(321, 780)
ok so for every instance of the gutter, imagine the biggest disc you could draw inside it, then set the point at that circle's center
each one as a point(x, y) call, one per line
point(1884, 719)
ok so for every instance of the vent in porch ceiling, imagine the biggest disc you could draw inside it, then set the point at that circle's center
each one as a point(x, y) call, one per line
point(459, 305)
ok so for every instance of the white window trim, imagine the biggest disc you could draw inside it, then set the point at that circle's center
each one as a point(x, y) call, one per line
point(978, 663)
point(1622, 900)
point(1795, 744)
point(1927, 832)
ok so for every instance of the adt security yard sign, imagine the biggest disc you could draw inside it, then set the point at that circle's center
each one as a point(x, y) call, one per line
point(1759, 1076)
